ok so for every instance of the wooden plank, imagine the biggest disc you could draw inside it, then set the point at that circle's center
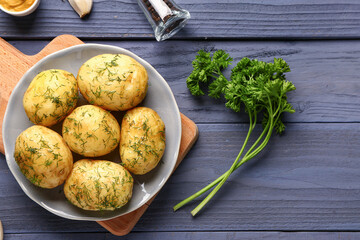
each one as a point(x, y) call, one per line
point(210, 19)
point(324, 72)
point(15, 64)
point(1, 231)
point(306, 180)
point(193, 236)
point(123, 225)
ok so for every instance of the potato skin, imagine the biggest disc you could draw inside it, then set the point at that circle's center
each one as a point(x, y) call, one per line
point(113, 81)
point(51, 96)
point(43, 156)
point(98, 185)
point(142, 143)
point(91, 131)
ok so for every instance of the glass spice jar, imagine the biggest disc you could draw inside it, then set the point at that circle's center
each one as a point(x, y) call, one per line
point(165, 17)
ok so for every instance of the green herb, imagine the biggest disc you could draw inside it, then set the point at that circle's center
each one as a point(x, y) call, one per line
point(48, 162)
point(35, 179)
point(257, 87)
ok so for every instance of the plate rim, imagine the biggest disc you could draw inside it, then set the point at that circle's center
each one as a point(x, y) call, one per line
point(67, 51)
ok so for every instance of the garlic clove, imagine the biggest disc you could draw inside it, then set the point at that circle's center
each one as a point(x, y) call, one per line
point(82, 7)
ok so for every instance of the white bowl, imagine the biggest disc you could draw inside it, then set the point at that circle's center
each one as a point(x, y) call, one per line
point(26, 12)
point(159, 97)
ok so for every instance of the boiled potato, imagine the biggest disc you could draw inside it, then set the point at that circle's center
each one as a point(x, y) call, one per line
point(51, 96)
point(43, 156)
point(91, 131)
point(142, 141)
point(113, 81)
point(98, 185)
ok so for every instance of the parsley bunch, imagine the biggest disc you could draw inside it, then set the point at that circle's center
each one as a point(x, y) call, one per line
point(257, 87)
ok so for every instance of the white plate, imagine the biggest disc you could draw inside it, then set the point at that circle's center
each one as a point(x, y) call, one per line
point(159, 97)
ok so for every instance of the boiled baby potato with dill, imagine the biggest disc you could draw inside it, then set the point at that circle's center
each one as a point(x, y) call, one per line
point(98, 185)
point(113, 81)
point(142, 141)
point(43, 156)
point(51, 96)
point(91, 131)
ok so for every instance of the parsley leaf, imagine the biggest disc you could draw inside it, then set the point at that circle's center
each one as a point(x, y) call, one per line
point(258, 87)
point(207, 68)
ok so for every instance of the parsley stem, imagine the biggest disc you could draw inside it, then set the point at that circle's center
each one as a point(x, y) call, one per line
point(211, 185)
point(278, 108)
point(208, 187)
point(249, 155)
point(259, 86)
point(227, 174)
point(244, 160)
point(262, 145)
point(258, 140)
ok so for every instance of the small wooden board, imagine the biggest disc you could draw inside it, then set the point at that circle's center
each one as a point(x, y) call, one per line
point(13, 65)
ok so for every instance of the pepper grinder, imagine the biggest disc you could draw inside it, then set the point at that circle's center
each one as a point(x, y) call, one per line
point(165, 17)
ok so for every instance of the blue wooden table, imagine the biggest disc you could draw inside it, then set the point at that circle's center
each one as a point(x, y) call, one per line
point(307, 183)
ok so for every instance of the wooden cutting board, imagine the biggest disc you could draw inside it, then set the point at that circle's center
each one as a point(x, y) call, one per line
point(13, 64)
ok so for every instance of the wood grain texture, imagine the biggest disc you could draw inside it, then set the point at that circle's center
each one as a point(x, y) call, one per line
point(324, 72)
point(18, 63)
point(14, 64)
point(306, 180)
point(1, 231)
point(123, 225)
point(193, 236)
point(240, 19)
